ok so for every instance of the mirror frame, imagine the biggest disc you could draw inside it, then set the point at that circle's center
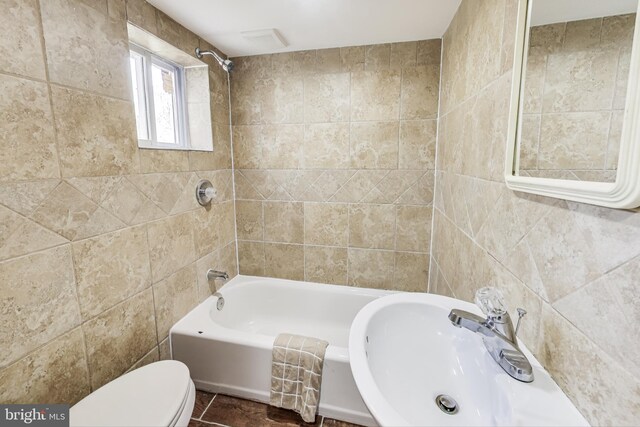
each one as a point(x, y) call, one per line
point(624, 193)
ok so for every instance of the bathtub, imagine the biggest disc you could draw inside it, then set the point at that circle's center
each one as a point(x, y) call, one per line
point(229, 351)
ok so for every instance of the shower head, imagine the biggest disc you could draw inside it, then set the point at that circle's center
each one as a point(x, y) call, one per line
point(226, 64)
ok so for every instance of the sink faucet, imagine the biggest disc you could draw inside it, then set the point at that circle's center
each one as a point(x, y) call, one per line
point(497, 332)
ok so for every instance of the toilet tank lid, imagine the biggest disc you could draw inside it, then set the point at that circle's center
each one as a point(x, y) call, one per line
point(149, 396)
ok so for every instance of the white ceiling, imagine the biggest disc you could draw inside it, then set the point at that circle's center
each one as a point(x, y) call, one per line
point(311, 24)
point(553, 11)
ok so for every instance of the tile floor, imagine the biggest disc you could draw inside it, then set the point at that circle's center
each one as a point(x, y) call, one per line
point(220, 410)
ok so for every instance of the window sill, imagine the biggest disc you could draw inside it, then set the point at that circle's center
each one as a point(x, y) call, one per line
point(144, 145)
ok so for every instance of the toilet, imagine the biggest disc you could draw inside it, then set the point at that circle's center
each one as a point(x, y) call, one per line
point(159, 394)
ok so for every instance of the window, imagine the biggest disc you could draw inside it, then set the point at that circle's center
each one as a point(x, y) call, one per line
point(159, 100)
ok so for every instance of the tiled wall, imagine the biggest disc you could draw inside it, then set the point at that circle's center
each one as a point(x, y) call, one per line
point(334, 152)
point(574, 267)
point(102, 245)
point(575, 93)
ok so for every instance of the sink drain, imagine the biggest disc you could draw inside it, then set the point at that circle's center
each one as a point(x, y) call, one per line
point(447, 404)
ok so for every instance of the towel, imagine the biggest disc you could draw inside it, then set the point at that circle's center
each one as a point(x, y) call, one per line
point(296, 374)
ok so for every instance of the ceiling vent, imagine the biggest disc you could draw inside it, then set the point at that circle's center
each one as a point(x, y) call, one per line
point(265, 39)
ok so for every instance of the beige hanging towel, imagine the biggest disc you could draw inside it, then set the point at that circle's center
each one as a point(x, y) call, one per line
point(296, 374)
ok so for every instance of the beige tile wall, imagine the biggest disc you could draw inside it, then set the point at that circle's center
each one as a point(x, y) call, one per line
point(574, 98)
point(102, 245)
point(334, 154)
point(573, 267)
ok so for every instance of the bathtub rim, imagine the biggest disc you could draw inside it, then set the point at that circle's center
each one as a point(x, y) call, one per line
point(198, 323)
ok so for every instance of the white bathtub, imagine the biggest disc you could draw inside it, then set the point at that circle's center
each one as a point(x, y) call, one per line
point(229, 351)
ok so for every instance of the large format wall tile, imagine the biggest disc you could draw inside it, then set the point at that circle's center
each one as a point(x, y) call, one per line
point(375, 95)
point(326, 224)
point(171, 245)
point(142, 14)
point(21, 236)
point(285, 152)
point(85, 47)
point(39, 301)
point(96, 135)
point(573, 141)
point(372, 226)
point(417, 145)
point(413, 228)
point(326, 98)
point(251, 258)
point(119, 337)
point(419, 95)
point(250, 220)
point(284, 261)
point(614, 297)
point(565, 351)
point(374, 145)
point(377, 57)
point(26, 131)
point(55, 373)
point(371, 268)
point(284, 222)
point(174, 297)
point(326, 146)
point(208, 228)
point(325, 264)
point(411, 271)
point(169, 29)
point(20, 32)
point(568, 88)
point(74, 216)
point(110, 268)
point(163, 161)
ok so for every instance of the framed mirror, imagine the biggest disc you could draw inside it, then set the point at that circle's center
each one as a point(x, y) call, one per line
point(574, 130)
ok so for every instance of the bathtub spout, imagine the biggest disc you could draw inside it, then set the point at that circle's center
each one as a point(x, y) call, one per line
point(215, 274)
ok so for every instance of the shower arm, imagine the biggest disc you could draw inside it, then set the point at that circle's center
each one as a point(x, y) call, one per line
point(200, 53)
point(226, 64)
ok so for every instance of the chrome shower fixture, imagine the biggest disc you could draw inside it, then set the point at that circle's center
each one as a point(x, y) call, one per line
point(226, 64)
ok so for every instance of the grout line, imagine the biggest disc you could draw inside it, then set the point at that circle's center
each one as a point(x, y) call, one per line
point(64, 86)
point(80, 325)
point(348, 241)
point(45, 64)
point(304, 243)
point(211, 423)
point(435, 166)
point(264, 252)
point(153, 292)
point(208, 406)
point(233, 176)
point(338, 247)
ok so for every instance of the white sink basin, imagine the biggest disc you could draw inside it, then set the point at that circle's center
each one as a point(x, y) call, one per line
point(405, 352)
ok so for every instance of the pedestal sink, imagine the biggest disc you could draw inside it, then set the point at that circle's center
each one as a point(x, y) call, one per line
point(414, 368)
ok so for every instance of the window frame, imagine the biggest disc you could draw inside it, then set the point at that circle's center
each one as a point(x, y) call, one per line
point(146, 100)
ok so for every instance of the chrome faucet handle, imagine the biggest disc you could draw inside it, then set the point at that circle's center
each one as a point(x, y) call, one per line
point(491, 302)
point(521, 313)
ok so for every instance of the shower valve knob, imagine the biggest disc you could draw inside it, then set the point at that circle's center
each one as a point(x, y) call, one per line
point(205, 192)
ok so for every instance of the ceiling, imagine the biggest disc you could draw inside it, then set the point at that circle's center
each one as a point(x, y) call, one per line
point(310, 24)
point(553, 11)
